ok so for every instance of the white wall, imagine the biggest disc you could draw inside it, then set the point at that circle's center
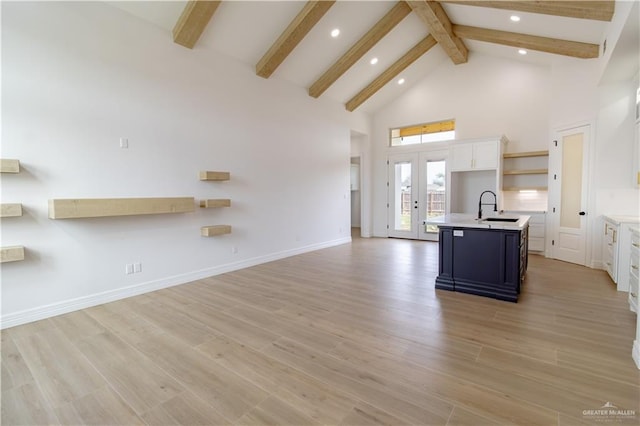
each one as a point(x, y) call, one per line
point(487, 96)
point(78, 76)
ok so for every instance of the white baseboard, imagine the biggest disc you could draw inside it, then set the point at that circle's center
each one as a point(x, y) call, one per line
point(59, 308)
point(635, 353)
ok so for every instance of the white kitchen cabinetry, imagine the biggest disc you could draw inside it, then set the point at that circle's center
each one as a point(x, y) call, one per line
point(465, 156)
point(616, 243)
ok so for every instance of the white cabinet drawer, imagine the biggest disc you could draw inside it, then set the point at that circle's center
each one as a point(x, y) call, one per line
point(633, 292)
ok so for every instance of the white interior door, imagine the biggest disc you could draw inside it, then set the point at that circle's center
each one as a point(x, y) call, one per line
point(569, 207)
point(417, 190)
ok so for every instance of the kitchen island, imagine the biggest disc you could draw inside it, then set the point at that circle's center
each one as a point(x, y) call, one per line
point(486, 257)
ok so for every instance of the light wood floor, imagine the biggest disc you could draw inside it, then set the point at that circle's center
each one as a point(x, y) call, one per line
point(352, 335)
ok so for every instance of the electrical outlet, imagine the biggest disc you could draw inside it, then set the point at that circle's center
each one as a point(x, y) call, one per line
point(234, 250)
point(137, 267)
point(124, 143)
point(128, 268)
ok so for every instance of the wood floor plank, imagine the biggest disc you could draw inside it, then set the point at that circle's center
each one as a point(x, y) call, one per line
point(364, 415)
point(77, 325)
point(105, 407)
point(273, 411)
point(61, 371)
point(462, 417)
point(15, 371)
point(142, 384)
point(25, 405)
point(573, 381)
point(184, 409)
point(362, 384)
point(312, 397)
point(228, 393)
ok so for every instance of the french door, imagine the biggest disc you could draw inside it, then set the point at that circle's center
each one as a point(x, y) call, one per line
point(417, 191)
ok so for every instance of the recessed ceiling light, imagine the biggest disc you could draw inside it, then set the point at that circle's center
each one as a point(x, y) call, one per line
point(401, 81)
point(335, 33)
point(522, 51)
point(373, 61)
point(515, 18)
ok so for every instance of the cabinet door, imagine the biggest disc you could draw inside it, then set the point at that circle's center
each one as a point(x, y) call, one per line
point(485, 155)
point(461, 157)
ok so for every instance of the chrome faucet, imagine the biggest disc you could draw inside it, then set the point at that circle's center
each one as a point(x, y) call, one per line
point(495, 203)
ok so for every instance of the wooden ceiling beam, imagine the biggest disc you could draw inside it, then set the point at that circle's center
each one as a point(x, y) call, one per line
point(194, 19)
point(439, 25)
point(299, 27)
point(543, 44)
point(407, 59)
point(595, 10)
point(360, 48)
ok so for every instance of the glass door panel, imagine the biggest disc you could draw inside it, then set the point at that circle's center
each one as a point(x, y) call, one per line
point(435, 192)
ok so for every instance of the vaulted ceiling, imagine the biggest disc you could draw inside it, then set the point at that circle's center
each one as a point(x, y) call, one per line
point(292, 40)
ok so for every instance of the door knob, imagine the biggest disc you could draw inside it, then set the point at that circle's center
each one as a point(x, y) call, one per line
point(582, 213)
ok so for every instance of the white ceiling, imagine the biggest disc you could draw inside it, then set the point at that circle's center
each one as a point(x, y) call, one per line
point(245, 30)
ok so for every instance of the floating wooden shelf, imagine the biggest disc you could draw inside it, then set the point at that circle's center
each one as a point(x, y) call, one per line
point(525, 188)
point(9, 166)
point(107, 207)
point(526, 172)
point(10, 210)
point(223, 202)
point(219, 176)
point(525, 154)
point(212, 231)
point(11, 254)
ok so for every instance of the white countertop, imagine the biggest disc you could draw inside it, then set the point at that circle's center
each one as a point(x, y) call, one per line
point(618, 219)
point(462, 220)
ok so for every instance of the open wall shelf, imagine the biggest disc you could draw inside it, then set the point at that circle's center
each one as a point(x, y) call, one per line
point(222, 202)
point(216, 176)
point(108, 207)
point(526, 154)
point(214, 230)
point(10, 210)
point(9, 166)
point(526, 172)
point(11, 254)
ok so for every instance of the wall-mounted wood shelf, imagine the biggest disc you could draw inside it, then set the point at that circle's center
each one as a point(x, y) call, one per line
point(525, 154)
point(107, 207)
point(525, 188)
point(526, 172)
point(217, 176)
point(10, 210)
point(212, 231)
point(9, 166)
point(223, 202)
point(11, 254)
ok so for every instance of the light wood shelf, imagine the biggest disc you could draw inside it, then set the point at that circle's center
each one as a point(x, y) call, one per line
point(9, 166)
point(108, 207)
point(212, 231)
point(525, 154)
point(526, 172)
point(217, 176)
point(222, 202)
point(525, 188)
point(10, 210)
point(11, 254)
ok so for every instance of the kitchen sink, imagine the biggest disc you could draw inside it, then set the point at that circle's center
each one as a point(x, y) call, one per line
point(500, 219)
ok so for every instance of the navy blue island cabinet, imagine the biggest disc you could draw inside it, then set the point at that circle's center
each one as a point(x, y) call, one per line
point(486, 262)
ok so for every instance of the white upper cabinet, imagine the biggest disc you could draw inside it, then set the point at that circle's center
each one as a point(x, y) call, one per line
point(475, 156)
